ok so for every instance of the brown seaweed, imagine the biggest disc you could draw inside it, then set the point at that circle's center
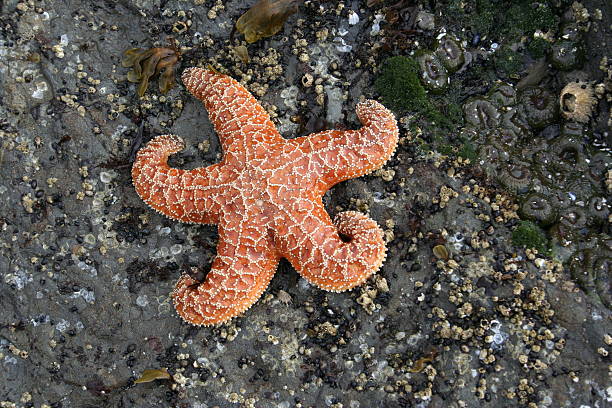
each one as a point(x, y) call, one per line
point(265, 18)
point(146, 63)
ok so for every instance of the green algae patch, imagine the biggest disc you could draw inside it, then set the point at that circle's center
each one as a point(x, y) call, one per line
point(529, 235)
point(538, 48)
point(400, 86)
point(467, 151)
point(518, 18)
point(508, 61)
point(526, 17)
point(402, 91)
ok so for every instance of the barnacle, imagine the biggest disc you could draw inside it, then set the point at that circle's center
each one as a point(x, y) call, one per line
point(481, 113)
point(537, 207)
point(539, 105)
point(577, 101)
point(433, 74)
point(265, 18)
point(450, 53)
point(146, 63)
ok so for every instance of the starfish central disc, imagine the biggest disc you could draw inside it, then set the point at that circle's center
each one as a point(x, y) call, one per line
point(266, 198)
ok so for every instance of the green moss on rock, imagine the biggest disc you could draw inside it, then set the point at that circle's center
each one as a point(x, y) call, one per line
point(468, 151)
point(529, 235)
point(503, 20)
point(400, 86)
point(508, 61)
point(525, 17)
point(538, 47)
point(401, 89)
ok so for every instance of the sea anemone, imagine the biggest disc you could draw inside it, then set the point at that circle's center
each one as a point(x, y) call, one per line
point(599, 165)
point(598, 209)
point(538, 207)
point(545, 169)
point(515, 121)
point(574, 218)
point(481, 113)
point(434, 75)
point(572, 129)
point(540, 107)
point(591, 269)
point(493, 151)
point(577, 101)
point(566, 55)
point(450, 53)
point(503, 94)
point(516, 177)
point(568, 155)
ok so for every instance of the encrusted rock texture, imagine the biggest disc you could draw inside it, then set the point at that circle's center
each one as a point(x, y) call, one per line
point(495, 291)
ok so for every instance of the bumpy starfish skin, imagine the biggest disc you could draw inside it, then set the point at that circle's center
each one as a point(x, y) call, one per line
point(266, 197)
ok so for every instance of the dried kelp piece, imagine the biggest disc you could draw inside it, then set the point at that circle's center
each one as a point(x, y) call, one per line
point(152, 375)
point(165, 69)
point(242, 53)
point(420, 364)
point(265, 18)
point(146, 63)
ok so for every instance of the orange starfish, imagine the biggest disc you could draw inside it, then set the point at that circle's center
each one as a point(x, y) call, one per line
point(266, 197)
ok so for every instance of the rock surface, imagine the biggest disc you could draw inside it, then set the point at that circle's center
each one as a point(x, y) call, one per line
point(86, 268)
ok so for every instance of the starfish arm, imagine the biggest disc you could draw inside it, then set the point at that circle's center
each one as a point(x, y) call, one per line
point(316, 248)
point(242, 124)
point(338, 155)
point(184, 195)
point(239, 275)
